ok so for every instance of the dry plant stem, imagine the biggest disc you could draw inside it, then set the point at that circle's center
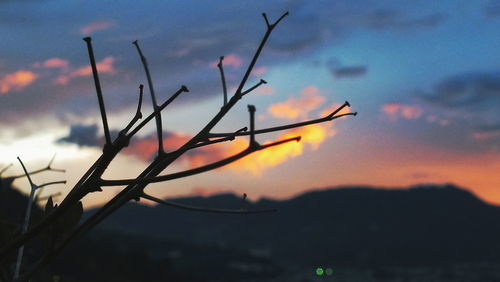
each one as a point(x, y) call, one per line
point(288, 126)
point(47, 168)
point(223, 139)
point(26, 221)
point(107, 136)
point(163, 161)
point(87, 183)
point(135, 187)
point(138, 114)
point(193, 208)
point(117, 202)
point(223, 79)
point(159, 129)
point(262, 81)
point(251, 111)
point(253, 147)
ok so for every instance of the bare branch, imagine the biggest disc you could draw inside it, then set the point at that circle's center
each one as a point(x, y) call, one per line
point(223, 139)
point(253, 148)
point(200, 209)
point(279, 20)
point(26, 222)
point(47, 168)
point(138, 114)
point(346, 104)
point(158, 110)
point(288, 126)
point(27, 174)
point(251, 111)
point(262, 81)
point(223, 78)
point(88, 40)
point(267, 21)
point(257, 53)
point(159, 128)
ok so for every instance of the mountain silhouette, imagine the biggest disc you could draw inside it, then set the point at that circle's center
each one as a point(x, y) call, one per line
point(360, 226)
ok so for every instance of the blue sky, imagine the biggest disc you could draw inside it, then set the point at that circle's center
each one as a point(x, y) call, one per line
point(424, 77)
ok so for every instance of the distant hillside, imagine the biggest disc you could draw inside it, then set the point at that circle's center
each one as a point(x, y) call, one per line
point(425, 225)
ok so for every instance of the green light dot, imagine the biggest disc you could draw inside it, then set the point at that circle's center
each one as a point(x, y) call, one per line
point(319, 271)
point(329, 271)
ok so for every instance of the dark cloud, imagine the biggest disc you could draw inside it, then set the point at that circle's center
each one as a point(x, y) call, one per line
point(391, 19)
point(492, 10)
point(349, 72)
point(180, 39)
point(82, 135)
point(339, 70)
point(471, 100)
point(466, 91)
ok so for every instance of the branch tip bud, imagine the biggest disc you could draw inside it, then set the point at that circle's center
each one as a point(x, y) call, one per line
point(87, 39)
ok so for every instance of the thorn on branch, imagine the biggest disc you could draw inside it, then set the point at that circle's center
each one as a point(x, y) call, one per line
point(100, 98)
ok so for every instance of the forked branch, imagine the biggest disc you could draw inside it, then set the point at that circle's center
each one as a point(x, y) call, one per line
point(250, 149)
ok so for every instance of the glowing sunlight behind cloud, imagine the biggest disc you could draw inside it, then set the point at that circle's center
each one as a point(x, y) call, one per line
point(311, 136)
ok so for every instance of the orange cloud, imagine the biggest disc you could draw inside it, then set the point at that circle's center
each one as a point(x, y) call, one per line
point(105, 66)
point(17, 81)
point(56, 63)
point(231, 60)
point(294, 108)
point(394, 111)
point(95, 26)
point(312, 136)
point(146, 148)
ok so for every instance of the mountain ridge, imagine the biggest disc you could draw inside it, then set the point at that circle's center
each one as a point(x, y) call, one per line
point(426, 224)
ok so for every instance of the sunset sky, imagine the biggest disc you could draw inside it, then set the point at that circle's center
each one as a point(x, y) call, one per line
point(423, 76)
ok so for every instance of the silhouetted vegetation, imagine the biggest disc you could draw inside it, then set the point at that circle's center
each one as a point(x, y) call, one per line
point(57, 225)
